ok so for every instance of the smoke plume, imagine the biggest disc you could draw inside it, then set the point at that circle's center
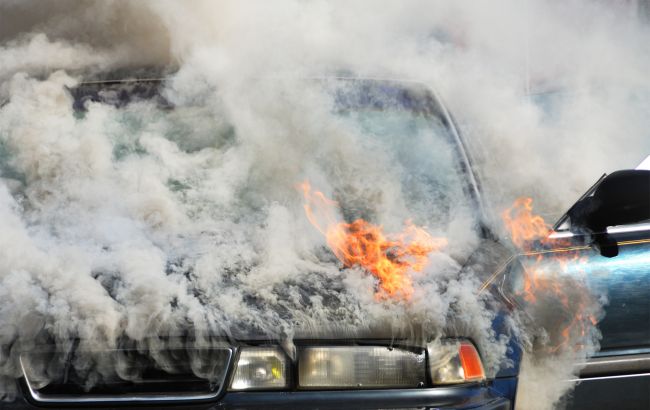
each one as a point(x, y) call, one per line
point(142, 221)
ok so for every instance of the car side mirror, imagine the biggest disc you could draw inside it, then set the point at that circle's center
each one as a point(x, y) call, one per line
point(623, 197)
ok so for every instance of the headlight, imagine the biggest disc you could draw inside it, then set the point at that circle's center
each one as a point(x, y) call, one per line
point(360, 367)
point(452, 362)
point(260, 368)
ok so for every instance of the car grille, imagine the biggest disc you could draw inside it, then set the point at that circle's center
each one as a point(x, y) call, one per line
point(126, 375)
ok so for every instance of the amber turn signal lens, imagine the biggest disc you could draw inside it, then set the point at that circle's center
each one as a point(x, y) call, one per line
point(453, 361)
point(471, 362)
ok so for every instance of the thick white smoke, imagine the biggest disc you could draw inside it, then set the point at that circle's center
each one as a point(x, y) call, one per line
point(141, 221)
point(144, 222)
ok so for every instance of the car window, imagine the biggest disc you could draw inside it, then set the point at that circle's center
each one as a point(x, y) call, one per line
point(400, 127)
point(424, 158)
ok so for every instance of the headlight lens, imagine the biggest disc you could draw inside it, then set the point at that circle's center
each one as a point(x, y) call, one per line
point(452, 362)
point(360, 367)
point(260, 368)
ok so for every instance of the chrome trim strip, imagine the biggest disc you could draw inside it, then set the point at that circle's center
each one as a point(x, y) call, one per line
point(620, 376)
point(611, 230)
point(560, 235)
point(162, 397)
point(601, 366)
point(629, 228)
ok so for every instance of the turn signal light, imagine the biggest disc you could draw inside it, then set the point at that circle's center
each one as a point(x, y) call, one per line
point(471, 362)
point(454, 361)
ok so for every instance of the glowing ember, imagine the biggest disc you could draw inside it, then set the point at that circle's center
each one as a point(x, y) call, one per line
point(543, 278)
point(390, 258)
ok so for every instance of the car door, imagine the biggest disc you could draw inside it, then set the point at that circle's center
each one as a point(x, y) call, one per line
point(618, 376)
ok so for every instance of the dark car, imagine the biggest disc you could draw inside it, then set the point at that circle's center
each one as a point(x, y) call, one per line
point(378, 368)
point(601, 246)
point(613, 216)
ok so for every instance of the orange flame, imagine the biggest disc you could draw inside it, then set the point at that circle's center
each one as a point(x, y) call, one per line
point(541, 275)
point(390, 258)
point(523, 225)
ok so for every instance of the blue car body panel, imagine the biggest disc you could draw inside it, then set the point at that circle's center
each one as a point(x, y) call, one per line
point(618, 376)
point(625, 280)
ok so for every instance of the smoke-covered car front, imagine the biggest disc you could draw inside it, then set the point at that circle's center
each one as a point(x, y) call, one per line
point(360, 318)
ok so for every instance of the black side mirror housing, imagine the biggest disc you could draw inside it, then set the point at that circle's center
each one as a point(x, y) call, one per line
point(623, 197)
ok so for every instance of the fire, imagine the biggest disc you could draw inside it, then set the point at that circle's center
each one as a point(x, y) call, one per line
point(528, 230)
point(391, 258)
point(543, 281)
point(524, 226)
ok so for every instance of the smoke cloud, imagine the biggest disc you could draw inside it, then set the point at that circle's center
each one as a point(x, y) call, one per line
point(143, 221)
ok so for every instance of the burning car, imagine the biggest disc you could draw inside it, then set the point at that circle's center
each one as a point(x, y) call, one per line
point(377, 312)
point(329, 355)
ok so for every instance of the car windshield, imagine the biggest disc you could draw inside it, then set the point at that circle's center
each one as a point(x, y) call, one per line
point(421, 154)
point(209, 193)
point(403, 129)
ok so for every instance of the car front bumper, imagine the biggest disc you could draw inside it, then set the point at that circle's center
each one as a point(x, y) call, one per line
point(458, 397)
point(470, 397)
